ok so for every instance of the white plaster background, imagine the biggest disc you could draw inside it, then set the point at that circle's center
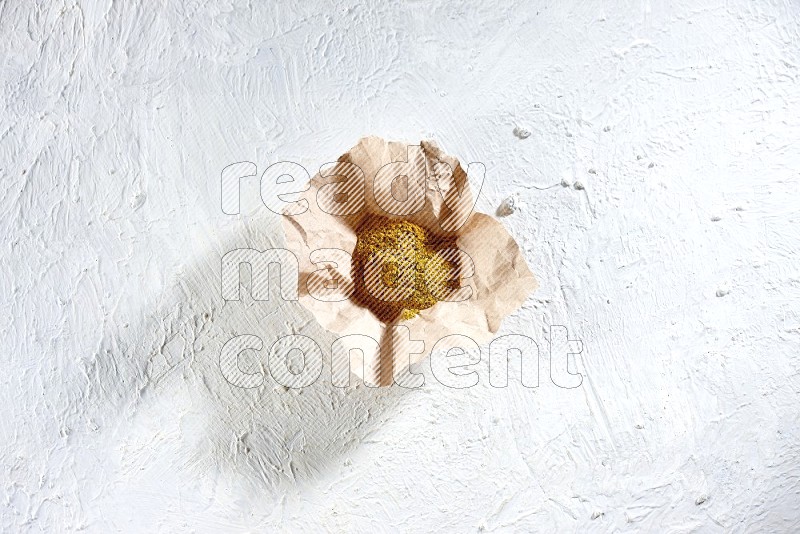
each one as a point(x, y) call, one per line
point(681, 121)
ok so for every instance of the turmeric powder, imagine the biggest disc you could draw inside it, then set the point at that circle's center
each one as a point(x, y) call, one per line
point(406, 257)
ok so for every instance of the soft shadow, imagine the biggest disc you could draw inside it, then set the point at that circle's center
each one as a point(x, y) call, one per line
point(263, 436)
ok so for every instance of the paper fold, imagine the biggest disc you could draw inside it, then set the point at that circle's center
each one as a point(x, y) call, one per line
point(500, 283)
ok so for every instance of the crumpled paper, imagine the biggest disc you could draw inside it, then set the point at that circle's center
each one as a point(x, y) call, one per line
point(339, 197)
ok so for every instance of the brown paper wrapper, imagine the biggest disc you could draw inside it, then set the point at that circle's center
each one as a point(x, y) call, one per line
point(338, 200)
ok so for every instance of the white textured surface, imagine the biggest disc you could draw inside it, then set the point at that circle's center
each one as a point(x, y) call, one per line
point(674, 128)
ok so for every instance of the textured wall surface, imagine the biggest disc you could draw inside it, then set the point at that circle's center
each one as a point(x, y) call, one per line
point(651, 151)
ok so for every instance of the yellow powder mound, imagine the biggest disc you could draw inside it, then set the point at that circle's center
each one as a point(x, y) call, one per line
point(404, 253)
